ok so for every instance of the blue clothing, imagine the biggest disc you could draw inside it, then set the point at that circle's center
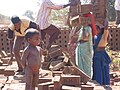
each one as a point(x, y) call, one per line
point(84, 52)
point(101, 62)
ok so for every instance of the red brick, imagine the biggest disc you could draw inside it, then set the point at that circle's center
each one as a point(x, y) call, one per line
point(87, 87)
point(9, 71)
point(2, 68)
point(51, 87)
point(57, 84)
point(55, 53)
point(44, 80)
point(44, 86)
point(76, 71)
point(57, 73)
point(73, 80)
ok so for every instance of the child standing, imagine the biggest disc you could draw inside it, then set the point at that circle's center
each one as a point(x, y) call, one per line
point(31, 58)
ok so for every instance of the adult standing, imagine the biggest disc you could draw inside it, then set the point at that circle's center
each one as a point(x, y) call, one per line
point(84, 50)
point(117, 8)
point(18, 27)
point(43, 20)
point(101, 60)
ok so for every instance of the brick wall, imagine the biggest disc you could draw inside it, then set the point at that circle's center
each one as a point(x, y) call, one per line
point(62, 39)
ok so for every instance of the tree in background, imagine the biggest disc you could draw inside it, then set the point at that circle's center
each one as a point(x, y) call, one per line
point(29, 14)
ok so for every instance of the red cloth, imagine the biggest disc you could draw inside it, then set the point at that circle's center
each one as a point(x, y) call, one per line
point(93, 26)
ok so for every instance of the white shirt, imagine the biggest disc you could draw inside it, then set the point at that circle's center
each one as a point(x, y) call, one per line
point(44, 12)
point(117, 5)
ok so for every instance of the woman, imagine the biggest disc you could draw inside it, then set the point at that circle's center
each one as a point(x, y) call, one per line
point(73, 38)
point(84, 50)
point(101, 60)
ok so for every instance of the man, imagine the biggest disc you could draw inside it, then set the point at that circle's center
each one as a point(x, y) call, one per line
point(18, 27)
point(42, 19)
point(117, 8)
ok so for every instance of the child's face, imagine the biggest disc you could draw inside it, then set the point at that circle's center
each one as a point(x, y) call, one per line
point(34, 40)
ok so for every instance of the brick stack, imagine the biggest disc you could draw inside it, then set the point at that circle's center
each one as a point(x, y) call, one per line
point(115, 41)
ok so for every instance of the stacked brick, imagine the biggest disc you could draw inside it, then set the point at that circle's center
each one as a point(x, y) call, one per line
point(115, 41)
point(62, 40)
point(4, 42)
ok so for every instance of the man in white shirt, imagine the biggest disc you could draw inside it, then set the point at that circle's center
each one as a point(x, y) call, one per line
point(117, 8)
point(42, 20)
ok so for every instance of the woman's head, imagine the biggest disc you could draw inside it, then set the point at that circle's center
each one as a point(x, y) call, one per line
point(32, 36)
point(99, 28)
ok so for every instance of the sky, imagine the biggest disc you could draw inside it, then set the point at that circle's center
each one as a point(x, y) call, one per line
point(18, 7)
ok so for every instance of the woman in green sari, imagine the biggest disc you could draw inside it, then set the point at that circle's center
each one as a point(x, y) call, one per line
point(84, 50)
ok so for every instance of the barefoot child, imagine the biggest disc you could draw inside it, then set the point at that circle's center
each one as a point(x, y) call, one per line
point(31, 58)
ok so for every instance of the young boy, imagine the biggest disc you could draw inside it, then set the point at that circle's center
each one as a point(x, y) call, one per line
point(31, 58)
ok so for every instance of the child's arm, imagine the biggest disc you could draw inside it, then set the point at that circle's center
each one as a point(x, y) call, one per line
point(24, 57)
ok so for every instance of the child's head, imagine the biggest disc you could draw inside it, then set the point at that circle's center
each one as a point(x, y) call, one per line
point(32, 36)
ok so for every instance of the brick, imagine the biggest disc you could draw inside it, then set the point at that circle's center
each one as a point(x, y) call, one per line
point(44, 86)
point(55, 53)
point(45, 65)
point(54, 48)
point(73, 80)
point(2, 68)
point(76, 71)
point(64, 87)
point(1, 62)
point(87, 87)
point(5, 60)
point(54, 63)
point(4, 53)
point(9, 71)
point(100, 88)
point(57, 84)
point(61, 65)
point(51, 87)
point(43, 80)
point(57, 73)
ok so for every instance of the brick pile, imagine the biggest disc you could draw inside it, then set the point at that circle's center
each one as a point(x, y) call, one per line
point(66, 77)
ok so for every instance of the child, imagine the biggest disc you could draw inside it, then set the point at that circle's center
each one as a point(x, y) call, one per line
point(31, 58)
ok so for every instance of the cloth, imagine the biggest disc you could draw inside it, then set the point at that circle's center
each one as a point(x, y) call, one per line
point(94, 31)
point(117, 5)
point(44, 12)
point(84, 52)
point(101, 62)
point(52, 31)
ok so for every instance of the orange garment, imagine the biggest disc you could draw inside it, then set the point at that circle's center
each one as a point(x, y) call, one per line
point(94, 31)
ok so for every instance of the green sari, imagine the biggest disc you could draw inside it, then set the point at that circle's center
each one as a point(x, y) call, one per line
point(84, 52)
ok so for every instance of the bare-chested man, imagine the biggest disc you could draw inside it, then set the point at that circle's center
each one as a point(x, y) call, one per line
point(31, 58)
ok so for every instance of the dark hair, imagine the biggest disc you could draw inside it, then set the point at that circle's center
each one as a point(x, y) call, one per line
point(15, 19)
point(101, 29)
point(30, 32)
